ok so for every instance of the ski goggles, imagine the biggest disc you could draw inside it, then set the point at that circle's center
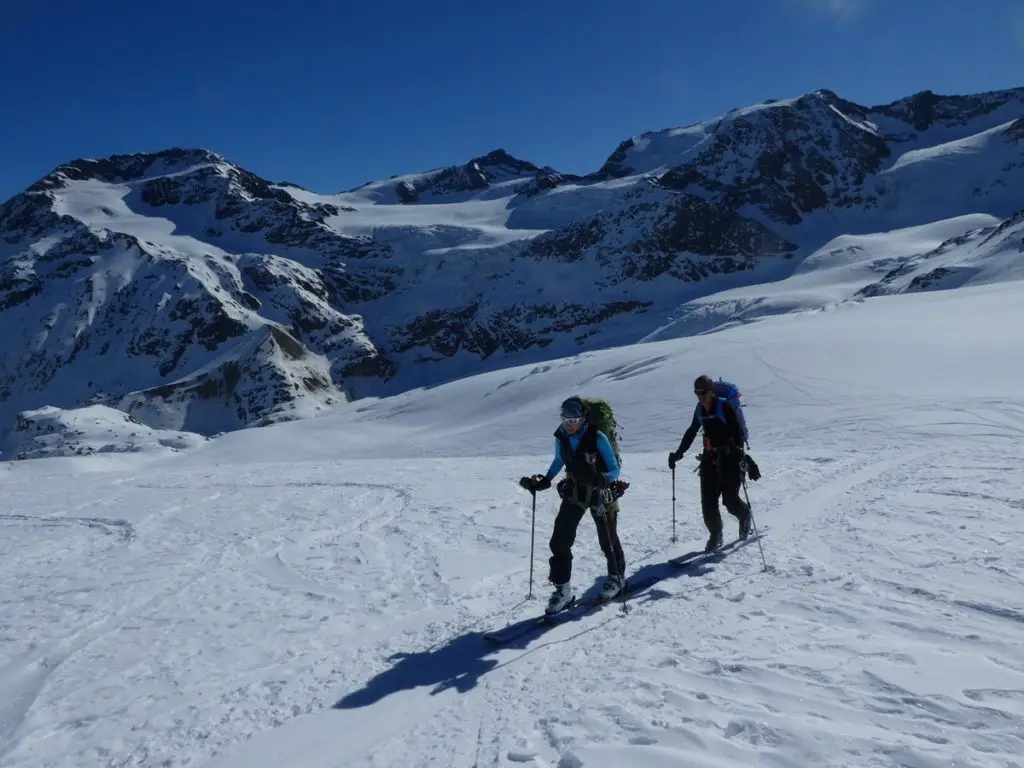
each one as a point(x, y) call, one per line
point(572, 421)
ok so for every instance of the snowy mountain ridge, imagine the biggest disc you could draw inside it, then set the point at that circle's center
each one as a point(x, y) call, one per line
point(197, 296)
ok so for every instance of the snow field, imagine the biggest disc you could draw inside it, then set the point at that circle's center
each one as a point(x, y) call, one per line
point(315, 593)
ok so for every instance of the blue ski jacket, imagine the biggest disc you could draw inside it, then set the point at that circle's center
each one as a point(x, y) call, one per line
point(603, 445)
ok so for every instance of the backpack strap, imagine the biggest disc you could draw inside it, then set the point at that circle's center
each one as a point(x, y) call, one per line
point(719, 412)
point(576, 462)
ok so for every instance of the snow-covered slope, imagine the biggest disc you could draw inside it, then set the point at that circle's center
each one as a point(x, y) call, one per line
point(977, 249)
point(202, 297)
point(52, 432)
point(314, 593)
point(991, 253)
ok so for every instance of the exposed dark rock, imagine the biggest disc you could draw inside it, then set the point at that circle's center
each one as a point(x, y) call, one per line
point(478, 174)
point(614, 167)
point(926, 108)
point(117, 169)
point(1016, 129)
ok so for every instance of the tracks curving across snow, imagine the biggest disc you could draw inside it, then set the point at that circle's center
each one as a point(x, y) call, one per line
point(253, 606)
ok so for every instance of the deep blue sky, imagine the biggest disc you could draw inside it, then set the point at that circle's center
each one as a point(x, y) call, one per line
point(332, 93)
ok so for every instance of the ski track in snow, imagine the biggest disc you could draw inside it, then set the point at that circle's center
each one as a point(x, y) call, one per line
point(321, 612)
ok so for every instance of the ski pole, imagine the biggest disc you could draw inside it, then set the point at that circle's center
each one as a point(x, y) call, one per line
point(674, 504)
point(754, 523)
point(533, 527)
point(605, 513)
point(608, 537)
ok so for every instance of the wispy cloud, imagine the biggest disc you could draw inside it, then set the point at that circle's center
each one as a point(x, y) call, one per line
point(840, 10)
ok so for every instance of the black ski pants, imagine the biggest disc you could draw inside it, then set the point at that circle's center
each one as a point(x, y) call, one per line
point(720, 476)
point(564, 536)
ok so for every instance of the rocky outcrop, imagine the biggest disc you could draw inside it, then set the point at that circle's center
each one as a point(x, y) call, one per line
point(478, 174)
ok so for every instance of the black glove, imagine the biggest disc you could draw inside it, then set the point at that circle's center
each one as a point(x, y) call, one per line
point(535, 483)
point(752, 469)
point(673, 458)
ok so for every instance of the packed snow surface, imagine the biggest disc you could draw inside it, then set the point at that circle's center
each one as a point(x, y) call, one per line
point(315, 593)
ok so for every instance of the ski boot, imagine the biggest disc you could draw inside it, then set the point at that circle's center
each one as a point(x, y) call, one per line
point(560, 599)
point(612, 587)
point(745, 525)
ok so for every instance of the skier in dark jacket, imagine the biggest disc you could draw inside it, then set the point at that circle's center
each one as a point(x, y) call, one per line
point(590, 468)
point(721, 463)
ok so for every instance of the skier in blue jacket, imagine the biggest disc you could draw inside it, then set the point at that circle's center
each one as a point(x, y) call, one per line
point(587, 455)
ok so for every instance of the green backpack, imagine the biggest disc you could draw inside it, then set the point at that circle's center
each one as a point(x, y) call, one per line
point(602, 418)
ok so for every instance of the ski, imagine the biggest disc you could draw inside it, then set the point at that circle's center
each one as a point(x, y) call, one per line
point(514, 631)
point(697, 556)
point(578, 607)
point(581, 607)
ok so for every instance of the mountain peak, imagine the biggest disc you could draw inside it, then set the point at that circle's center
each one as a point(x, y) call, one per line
point(501, 158)
point(655, 152)
point(117, 169)
point(474, 176)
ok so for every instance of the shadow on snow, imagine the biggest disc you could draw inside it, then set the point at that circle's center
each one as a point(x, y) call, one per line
point(460, 662)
